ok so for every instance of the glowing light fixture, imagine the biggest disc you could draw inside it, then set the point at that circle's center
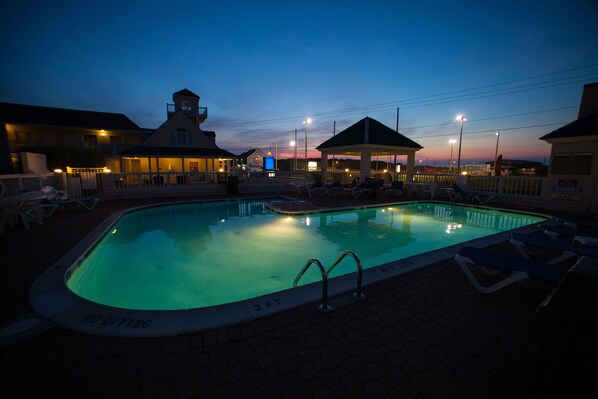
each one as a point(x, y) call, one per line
point(306, 122)
point(462, 119)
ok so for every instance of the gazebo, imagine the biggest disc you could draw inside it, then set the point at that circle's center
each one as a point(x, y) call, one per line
point(365, 139)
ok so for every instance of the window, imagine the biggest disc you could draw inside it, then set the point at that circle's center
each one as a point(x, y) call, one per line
point(186, 106)
point(571, 164)
point(193, 166)
point(256, 159)
point(90, 141)
point(22, 137)
point(181, 139)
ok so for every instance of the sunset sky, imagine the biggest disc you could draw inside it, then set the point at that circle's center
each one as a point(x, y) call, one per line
point(261, 67)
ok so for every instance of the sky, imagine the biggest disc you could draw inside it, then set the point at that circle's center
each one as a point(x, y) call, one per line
point(262, 67)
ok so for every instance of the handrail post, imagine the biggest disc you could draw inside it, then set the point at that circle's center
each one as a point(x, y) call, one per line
point(358, 294)
point(324, 307)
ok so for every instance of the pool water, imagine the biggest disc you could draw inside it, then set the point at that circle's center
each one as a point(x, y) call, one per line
point(202, 254)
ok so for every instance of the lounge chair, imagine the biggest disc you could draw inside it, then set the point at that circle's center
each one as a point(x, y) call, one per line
point(568, 250)
point(334, 186)
point(317, 187)
point(56, 199)
point(482, 199)
point(359, 190)
point(564, 232)
point(576, 224)
point(429, 189)
point(456, 193)
point(518, 268)
point(396, 187)
point(10, 212)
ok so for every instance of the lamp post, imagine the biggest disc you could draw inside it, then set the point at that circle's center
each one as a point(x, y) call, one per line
point(306, 122)
point(496, 152)
point(461, 118)
point(452, 143)
point(294, 144)
point(295, 168)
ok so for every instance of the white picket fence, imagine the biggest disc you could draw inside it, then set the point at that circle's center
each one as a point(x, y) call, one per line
point(82, 184)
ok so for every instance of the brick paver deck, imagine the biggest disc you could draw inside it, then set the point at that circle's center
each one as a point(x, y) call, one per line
point(425, 334)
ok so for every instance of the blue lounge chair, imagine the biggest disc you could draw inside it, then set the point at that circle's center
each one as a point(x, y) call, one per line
point(518, 268)
point(568, 250)
point(396, 187)
point(576, 223)
point(563, 232)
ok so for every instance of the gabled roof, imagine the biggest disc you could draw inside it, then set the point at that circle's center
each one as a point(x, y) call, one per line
point(177, 152)
point(34, 115)
point(186, 93)
point(249, 152)
point(587, 126)
point(368, 131)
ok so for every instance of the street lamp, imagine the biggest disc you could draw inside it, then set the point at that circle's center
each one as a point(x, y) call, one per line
point(294, 144)
point(496, 152)
point(295, 168)
point(452, 143)
point(461, 118)
point(306, 122)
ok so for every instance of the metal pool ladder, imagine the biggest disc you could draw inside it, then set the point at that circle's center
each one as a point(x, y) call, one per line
point(358, 294)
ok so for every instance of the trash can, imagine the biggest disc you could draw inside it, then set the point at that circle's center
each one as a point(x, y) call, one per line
point(565, 362)
point(232, 185)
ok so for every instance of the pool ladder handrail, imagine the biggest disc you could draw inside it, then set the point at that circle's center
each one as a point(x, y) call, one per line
point(358, 294)
point(324, 307)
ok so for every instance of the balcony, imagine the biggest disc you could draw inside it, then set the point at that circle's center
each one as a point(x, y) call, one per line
point(199, 112)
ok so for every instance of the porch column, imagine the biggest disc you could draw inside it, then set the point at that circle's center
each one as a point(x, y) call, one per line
point(324, 166)
point(410, 165)
point(366, 165)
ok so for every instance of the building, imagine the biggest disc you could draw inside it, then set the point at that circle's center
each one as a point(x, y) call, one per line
point(572, 181)
point(515, 167)
point(252, 160)
point(27, 128)
point(179, 145)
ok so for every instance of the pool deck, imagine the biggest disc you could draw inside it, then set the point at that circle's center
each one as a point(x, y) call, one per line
point(424, 334)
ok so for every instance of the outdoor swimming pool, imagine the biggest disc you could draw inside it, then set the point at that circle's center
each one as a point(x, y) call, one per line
point(196, 255)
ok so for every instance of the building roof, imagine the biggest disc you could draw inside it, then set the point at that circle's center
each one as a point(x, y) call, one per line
point(34, 115)
point(583, 127)
point(368, 131)
point(177, 152)
point(248, 153)
point(185, 93)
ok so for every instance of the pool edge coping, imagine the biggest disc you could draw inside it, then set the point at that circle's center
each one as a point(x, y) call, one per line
point(50, 297)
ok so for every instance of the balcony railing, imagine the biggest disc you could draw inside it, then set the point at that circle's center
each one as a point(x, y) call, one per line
point(189, 111)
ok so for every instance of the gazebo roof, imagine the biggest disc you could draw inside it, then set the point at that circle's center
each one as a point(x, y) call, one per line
point(368, 132)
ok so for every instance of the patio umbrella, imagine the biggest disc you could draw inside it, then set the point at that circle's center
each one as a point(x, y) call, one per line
point(498, 165)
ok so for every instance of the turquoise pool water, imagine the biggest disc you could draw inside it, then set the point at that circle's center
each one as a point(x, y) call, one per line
point(202, 254)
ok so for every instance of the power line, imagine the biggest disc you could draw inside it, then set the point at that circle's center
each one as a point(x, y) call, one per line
point(501, 129)
point(419, 101)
